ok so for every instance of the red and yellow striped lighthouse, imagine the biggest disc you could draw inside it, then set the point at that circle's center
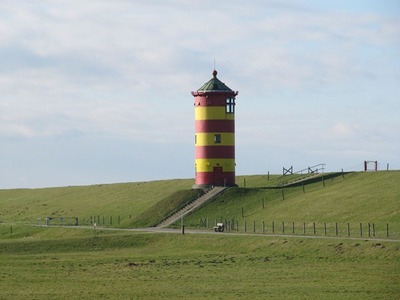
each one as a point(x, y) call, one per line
point(214, 106)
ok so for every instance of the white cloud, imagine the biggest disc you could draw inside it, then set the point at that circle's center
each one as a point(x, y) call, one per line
point(342, 130)
point(308, 76)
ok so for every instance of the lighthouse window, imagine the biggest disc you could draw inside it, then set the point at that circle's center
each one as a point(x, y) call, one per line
point(217, 139)
point(230, 106)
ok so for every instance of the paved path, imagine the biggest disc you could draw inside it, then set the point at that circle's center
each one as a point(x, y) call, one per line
point(231, 233)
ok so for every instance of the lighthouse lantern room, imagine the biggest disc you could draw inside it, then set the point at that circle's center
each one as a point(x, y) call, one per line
point(214, 104)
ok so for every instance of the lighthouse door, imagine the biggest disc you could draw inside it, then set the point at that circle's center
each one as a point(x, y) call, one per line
point(218, 176)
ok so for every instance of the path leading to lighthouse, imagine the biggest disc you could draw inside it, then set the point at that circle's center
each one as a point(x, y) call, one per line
point(232, 233)
point(215, 191)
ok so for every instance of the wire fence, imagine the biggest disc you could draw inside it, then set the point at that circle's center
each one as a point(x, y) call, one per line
point(89, 220)
point(339, 229)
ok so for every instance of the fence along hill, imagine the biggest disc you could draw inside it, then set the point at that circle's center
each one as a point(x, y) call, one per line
point(358, 197)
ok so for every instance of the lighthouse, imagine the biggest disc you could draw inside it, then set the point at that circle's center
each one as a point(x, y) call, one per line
point(214, 105)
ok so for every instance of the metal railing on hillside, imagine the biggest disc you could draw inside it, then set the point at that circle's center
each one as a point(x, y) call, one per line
point(290, 177)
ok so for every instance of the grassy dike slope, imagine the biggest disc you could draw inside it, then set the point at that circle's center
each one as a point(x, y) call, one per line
point(121, 199)
point(358, 197)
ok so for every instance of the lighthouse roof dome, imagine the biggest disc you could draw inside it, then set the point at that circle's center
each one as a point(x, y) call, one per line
point(214, 85)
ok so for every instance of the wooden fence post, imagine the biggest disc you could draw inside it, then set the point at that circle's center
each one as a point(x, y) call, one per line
point(293, 227)
point(314, 228)
point(273, 227)
point(361, 233)
point(304, 227)
point(283, 227)
point(337, 231)
point(325, 228)
point(348, 229)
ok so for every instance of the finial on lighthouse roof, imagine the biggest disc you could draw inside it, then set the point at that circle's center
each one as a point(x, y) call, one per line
point(214, 85)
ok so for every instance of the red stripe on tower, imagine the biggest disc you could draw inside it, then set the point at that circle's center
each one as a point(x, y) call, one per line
point(215, 152)
point(214, 126)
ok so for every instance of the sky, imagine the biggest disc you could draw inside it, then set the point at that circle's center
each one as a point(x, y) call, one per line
point(99, 91)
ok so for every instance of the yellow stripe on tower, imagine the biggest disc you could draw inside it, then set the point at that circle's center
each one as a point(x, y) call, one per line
point(212, 113)
point(208, 139)
point(207, 165)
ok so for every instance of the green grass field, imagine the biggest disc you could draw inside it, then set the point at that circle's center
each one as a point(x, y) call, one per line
point(60, 263)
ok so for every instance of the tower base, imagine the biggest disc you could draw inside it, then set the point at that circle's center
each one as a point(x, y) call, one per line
point(209, 186)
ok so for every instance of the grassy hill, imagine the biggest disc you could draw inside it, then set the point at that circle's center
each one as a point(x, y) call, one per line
point(354, 197)
point(45, 262)
point(332, 204)
point(122, 201)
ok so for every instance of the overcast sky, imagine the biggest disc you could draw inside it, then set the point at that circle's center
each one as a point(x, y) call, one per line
point(98, 91)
